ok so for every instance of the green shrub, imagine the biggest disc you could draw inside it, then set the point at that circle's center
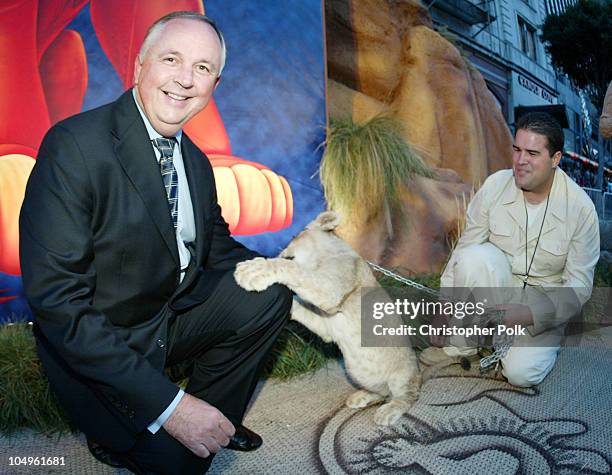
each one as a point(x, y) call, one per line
point(25, 397)
point(603, 274)
point(298, 351)
point(365, 166)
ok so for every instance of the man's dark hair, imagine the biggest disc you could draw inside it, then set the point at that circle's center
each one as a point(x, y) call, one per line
point(546, 125)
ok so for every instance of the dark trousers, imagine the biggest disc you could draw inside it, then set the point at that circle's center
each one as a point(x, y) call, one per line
point(224, 341)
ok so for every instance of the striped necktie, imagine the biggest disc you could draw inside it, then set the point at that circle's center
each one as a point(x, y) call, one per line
point(168, 172)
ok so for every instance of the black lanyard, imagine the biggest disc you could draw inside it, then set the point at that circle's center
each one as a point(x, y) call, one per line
point(528, 268)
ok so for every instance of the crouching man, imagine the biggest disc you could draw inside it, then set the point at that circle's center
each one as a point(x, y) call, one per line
point(534, 229)
point(128, 267)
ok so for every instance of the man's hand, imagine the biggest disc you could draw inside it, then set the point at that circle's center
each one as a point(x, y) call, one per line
point(516, 314)
point(200, 427)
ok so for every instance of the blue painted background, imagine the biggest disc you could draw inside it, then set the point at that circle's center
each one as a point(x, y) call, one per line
point(271, 99)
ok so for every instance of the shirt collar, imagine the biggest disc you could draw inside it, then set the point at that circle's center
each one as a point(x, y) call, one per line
point(558, 194)
point(153, 134)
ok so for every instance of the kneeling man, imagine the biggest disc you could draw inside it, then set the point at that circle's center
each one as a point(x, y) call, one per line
point(128, 267)
point(534, 228)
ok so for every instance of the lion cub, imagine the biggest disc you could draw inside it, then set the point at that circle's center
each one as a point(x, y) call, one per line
point(325, 272)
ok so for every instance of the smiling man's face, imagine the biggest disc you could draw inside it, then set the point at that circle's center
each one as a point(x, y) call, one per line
point(534, 167)
point(178, 74)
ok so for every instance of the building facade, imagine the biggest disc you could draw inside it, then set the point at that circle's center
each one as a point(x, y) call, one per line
point(502, 38)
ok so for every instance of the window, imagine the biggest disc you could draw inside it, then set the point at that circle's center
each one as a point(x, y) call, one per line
point(527, 35)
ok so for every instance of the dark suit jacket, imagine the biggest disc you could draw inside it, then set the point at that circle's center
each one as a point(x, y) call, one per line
point(100, 266)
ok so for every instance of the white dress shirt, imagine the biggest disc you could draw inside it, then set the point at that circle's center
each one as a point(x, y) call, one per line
point(185, 232)
point(185, 228)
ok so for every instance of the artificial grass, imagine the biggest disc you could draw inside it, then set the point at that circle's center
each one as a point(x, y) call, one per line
point(25, 397)
point(428, 280)
point(603, 274)
point(296, 352)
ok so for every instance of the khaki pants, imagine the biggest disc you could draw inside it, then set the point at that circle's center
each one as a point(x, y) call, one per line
point(484, 265)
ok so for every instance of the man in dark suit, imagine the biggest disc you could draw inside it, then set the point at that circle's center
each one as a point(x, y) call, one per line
point(127, 265)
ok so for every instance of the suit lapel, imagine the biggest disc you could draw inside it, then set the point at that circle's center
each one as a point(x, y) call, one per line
point(199, 187)
point(137, 159)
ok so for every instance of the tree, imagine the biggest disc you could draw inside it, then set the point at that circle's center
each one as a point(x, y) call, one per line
point(579, 41)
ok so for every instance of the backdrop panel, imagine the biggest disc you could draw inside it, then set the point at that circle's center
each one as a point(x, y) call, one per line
point(262, 133)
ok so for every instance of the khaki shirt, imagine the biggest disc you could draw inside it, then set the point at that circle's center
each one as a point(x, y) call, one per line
point(566, 254)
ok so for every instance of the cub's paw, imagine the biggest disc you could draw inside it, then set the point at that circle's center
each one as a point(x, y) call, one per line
point(388, 414)
point(362, 398)
point(255, 274)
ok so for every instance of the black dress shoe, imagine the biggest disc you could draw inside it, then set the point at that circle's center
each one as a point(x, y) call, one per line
point(103, 455)
point(244, 440)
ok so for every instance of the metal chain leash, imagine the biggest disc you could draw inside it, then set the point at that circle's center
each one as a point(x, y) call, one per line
point(501, 345)
point(404, 280)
